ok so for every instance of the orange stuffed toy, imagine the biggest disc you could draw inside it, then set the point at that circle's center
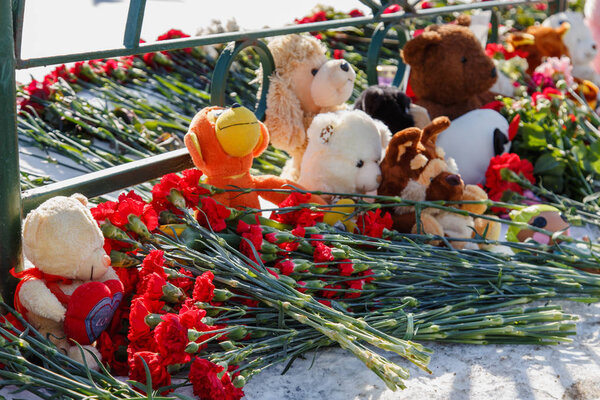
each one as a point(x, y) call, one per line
point(539, 42)
point(222, 143)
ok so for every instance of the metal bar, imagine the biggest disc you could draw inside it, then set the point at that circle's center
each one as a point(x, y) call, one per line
point(133, 29)
point(18, 14)
point(247, 35)
point(110, 179)
point(495, 21)
point(219, 77)
point(10, 185)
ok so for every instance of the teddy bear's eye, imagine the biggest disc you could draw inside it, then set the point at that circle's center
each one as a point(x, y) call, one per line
point(314, 71)
point(360, 163)
point(539, 222)
point(463, 59)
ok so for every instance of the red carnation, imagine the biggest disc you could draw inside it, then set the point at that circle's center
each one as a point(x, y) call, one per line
point(372, 223)
point(346, 267)
point(141, 307)
point(158, 370)
point(356, 13)
point(331, 293)
point(338, 54)
point(204, 288)
point(191, 316)
point(392, 9)
point(252, 240)
point(154, 262)
point(112, 348)
point(322, 253)
point(208, 386)
point(151, 286)
point(213, 214)
point(171, 340)
point(493, 179)
point(301, 217)
point(286, 266)
point(185, 284)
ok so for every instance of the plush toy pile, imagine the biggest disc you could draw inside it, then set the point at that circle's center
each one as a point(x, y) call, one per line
point(386, 221)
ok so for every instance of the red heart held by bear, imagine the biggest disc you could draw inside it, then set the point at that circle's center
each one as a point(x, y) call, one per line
point(90, 310)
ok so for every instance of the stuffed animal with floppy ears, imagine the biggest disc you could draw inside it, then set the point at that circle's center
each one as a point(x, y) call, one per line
point(393, 107)
point(592, 19)
point(343, 153)
point(72, 292)
point(578, 39)
point(450, 74)
point(222, 143)
point(414, 169)
point(305, 83)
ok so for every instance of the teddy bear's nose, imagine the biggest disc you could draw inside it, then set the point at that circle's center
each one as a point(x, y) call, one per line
point(494, 73)
point(453, 180)
point(594, 46)
point(344, 66)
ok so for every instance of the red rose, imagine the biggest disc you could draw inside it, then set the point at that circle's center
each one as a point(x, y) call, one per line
point(171, 339)
point(204, 288)
point(158, 370)
point(212, 215)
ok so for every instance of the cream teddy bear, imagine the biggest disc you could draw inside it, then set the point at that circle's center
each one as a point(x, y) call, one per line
point(305, 83)
point(343, 153)
point(71, 293)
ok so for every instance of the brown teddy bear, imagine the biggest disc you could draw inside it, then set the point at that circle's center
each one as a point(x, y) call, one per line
point(450, 73)
point(414, 169)
point(305, 83)
point(539, 42)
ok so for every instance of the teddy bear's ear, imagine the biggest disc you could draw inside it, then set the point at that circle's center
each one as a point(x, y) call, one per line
point(384, 133)
point(463, 20)
point(284, 115)
point(263, 141)
point(80, 198)
point(414, 50)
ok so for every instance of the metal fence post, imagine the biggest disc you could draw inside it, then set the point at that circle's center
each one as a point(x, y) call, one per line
point(10, 186)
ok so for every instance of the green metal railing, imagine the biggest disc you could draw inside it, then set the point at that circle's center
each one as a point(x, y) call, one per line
point(13, 203)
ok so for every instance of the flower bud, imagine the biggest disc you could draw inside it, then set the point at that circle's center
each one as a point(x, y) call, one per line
point(163, 60)
point(167, 217)
point(227, 345)
point(176, 198)
point(112, 232)
point(192, 348)
point(122, 260)
point(172, 294)
point(269, 248)
point(221, 295)
point(239, 381)
point(137, 226)
point(318, 269)
point(152, 320)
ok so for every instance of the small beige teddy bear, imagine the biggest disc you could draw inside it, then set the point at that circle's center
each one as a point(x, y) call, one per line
point(71, 293)
point(305, 83)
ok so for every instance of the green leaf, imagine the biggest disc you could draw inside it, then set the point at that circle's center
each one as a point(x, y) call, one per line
point(533, 135)
point(547, 164)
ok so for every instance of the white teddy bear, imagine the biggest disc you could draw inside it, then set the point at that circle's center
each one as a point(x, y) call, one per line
point(578, 39)
point(343, 153)
point(71, 293)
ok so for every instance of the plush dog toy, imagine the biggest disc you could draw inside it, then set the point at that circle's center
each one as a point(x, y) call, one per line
point(592, 19)
point(305, 83)
point(393, 107)
point(414, 169)
point(223, 142)
point(72, 292)
point(450, 73)
point(579, 41)
point(487, 135)
point(539, 42)
point(343, 153)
